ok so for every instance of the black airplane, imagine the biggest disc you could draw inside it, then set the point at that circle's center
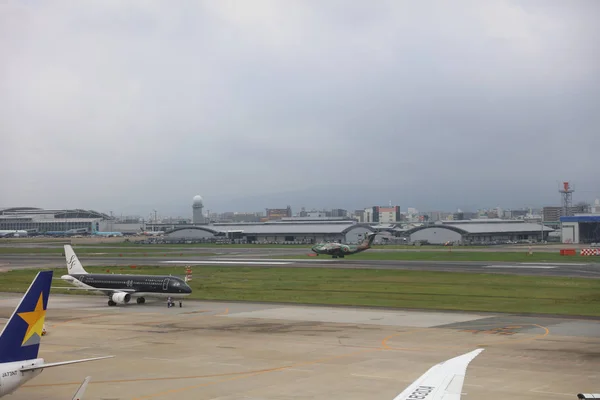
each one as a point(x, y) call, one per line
point(119, 288)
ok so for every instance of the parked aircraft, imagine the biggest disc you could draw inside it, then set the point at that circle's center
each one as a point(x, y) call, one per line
point(443, 381)
point(20, 339)
point(340, 250)
point(120, 289)
point(152, 233)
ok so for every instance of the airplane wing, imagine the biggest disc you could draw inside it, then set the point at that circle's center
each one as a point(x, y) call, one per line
point(58, 364)
point(79, 394)
point(584, 396)
point(443, 381)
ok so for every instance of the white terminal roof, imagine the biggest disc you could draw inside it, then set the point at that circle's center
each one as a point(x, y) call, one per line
point(281, 228)
point(493, 226)
point(46, 220)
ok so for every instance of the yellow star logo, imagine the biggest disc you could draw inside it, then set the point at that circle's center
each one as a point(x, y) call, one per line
point(35, 319)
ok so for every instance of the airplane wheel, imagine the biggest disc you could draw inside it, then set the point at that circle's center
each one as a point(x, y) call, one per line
point(111, 303)
point(141, 300)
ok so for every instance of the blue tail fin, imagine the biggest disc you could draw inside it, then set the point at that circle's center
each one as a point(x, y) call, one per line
point(20, 338)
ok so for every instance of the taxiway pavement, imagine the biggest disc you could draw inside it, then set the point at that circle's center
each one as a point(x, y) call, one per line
point(227, 351)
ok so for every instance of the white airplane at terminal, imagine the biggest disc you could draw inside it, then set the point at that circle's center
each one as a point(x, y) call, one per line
point(152, 233)
point(443, 381)
point(20, 339)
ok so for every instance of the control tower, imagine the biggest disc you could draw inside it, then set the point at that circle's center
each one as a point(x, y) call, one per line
point(197, 207)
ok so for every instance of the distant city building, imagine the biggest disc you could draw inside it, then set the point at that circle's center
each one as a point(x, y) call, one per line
point(596, 207)
point(359, 215)
point(278, 213)
point(553, 213)
point(339, 212)
point(382, 214)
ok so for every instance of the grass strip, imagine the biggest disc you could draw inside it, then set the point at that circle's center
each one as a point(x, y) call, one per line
point(378, 288)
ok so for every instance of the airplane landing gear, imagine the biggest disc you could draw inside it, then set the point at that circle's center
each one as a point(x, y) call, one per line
point(180, 304)
point(141, 300)
point(111, 303)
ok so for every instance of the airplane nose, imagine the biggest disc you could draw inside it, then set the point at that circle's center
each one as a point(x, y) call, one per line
point(187, 289)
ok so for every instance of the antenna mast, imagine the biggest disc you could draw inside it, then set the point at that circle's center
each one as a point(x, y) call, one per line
point(567, 199)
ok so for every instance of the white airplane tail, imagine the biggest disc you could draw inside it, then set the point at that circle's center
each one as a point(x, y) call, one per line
point(73, 264)
point(443, 381)
point(79, 394)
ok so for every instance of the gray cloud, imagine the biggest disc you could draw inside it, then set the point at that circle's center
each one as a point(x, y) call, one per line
point(129, 106)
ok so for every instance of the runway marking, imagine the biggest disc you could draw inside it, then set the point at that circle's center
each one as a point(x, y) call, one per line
point(520, 266)
point(557, 264)
point(536, 390)
point(278, 259)
point(223, 313)
point(229, 262)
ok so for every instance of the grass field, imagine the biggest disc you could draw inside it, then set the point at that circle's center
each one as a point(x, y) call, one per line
point(384, 288)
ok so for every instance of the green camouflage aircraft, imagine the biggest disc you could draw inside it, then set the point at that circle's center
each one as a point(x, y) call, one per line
point(340, 250)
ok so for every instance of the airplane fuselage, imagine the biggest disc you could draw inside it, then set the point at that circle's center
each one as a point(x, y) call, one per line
point(339, 250)
point(11, 378)
point(134, 285)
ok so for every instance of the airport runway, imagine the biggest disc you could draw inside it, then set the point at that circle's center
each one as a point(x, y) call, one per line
point(232, 351)
point(581, 270)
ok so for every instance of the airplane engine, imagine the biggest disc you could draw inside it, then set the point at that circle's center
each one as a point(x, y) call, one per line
point(121, 298)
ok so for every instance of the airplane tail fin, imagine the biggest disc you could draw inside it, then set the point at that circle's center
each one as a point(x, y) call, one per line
point(79, 394)
point(368, 241)
point(20, 338)
point(73, 264)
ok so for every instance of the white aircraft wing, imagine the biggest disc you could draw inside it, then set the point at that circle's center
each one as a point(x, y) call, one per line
point(58, 364)
point(79, 394)
point(584, 396)
point(443, 381)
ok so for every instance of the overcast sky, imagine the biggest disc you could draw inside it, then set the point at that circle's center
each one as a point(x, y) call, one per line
point(133, 105)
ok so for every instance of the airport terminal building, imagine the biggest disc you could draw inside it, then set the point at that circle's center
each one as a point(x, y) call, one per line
point(43, 221)
point(480, 231)
point(275, 232)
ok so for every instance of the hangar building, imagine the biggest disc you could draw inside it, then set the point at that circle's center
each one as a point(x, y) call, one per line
point(478, 232)
point(582, 228)
point(280, 232)
point(39, 220)
point(61, 222)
